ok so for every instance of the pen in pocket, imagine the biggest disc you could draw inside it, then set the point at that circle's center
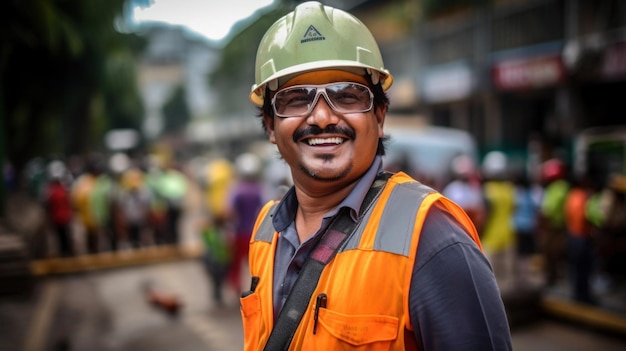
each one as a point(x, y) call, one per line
point(320, 302)
point(253, 284)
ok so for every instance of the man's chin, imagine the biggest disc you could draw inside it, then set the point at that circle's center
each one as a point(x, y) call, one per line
point(326, 174)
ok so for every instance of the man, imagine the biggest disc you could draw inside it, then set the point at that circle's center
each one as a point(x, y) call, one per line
point(552, 218)
point(320, 84)
point(465, 189)
point(245, 200)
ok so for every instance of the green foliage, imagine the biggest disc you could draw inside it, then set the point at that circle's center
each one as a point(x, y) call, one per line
point(176, 112)
point(238, 58)
point(66, 75)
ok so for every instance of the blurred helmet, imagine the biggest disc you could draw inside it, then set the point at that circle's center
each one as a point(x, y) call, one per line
point(495, 164)
point(219, 171)
point(462, 166)
point(617, 182)
point(56, 170)
point(315, 37)
point(132, 178)
point(248, 165)
point(119, 162)
point(552, 169)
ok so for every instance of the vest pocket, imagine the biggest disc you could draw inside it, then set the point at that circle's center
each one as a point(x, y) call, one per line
point(337, 331)
point(251, 319)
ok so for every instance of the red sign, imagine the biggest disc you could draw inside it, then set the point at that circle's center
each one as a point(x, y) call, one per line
point(528, 73)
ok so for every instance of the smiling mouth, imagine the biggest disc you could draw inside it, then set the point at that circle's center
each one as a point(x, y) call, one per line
point(325, 141)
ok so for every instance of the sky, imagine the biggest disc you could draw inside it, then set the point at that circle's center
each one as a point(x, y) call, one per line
point(210, 18)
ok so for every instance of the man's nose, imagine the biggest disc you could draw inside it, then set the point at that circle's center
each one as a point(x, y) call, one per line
point(322, 114)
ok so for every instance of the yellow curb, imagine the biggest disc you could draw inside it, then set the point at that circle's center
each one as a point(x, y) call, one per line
point(107, 260)
point(586, 314)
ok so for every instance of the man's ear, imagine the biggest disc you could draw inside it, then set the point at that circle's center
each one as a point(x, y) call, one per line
point(269, 127)
point(381, 113)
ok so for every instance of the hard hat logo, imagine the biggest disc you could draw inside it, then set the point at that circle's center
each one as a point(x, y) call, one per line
point(316, 37)
point(312, 34)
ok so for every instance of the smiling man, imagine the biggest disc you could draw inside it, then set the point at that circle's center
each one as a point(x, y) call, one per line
point(353, 257)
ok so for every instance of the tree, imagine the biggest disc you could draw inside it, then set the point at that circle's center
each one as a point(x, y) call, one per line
point(67, 76)
point(176, 112)
point(234, 75)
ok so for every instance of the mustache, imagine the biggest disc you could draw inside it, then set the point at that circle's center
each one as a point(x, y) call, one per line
point(315, 130)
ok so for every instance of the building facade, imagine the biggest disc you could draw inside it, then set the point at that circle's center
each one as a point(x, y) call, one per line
point(524, 76)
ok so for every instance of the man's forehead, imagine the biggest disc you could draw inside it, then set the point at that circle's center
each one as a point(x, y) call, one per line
point(323, 77)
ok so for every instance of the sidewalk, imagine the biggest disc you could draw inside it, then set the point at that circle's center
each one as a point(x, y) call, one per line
point(529, 303)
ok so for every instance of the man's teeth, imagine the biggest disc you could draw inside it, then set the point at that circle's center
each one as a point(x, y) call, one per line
point(318, 141)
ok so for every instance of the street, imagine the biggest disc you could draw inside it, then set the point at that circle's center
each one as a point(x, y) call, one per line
point(102, 303)
point(109, 311)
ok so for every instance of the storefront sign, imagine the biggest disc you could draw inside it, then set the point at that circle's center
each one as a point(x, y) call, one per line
point(446, 83)
point(528, 73)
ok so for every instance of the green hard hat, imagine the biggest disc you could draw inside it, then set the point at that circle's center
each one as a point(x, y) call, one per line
point(315, 37)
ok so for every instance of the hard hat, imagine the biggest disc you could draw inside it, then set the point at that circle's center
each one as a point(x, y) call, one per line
point(552, 169)
point(219, 171)
point(248, 165)
point(56, 170)
point(462, 166)
point(315, 37)
point(494, 164)
point(617, 182)
point(119, 162)
point(132, 178)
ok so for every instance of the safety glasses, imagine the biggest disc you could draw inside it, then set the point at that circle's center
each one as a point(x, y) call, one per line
point(343, 97)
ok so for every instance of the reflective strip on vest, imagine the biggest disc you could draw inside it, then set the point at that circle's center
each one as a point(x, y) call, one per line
point(392, 236)
point(266, 228)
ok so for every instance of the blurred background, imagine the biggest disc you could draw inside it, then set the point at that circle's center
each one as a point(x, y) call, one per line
point(126, 135)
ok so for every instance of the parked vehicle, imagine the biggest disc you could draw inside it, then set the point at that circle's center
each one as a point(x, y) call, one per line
point(425, 151)
point(600, 152)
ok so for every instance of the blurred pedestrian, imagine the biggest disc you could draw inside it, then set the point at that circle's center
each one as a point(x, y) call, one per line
point(82, 192)
point(103, 201)
point(172, 185)
point(580, 247)
point(498, 236)
point(157, 218)
point(465, 189)
point(245, 200)
point(134, 200)
point(552, 218)
point(58, 206)
point(525, 217)
point(220, 175)
point(217, 256)
point(612, 234)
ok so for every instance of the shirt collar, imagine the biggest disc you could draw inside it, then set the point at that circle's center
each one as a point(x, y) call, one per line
point(286, 210)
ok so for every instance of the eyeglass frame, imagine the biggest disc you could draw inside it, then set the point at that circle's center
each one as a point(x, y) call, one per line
point(321, 89)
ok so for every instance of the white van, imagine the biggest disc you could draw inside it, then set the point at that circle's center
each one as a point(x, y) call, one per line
point(425, 151)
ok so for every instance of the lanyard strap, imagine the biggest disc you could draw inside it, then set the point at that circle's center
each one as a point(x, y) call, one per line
point(300, 295)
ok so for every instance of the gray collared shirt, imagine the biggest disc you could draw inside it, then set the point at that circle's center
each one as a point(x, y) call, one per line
point(290, 253)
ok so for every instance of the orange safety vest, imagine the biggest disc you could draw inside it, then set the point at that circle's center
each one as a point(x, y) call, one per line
point(575, 213)
point(367, 283)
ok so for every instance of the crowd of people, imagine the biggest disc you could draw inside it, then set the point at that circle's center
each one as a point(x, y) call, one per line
point(123, 204)
point(98, 206)
point(558, 224)
point(235, 193)
point(563, 224)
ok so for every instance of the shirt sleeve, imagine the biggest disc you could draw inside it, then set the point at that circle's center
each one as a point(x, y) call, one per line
point(454, 301)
